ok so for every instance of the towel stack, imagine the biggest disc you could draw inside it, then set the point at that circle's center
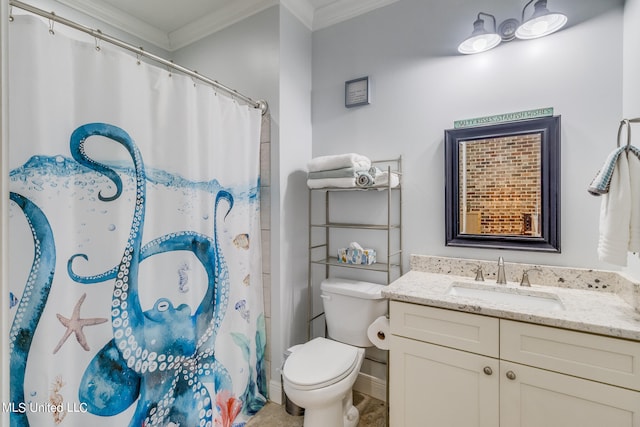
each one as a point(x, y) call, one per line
point(350, 170)
point(618, 181)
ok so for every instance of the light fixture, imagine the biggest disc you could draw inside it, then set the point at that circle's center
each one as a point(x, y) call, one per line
point(480, 39)
point(541, 23)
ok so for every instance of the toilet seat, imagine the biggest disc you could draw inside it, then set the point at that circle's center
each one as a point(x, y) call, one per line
point(320, 363)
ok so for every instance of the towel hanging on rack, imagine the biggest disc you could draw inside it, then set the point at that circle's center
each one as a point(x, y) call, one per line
point(619, 181)
point(615, 216)
point(601, 182)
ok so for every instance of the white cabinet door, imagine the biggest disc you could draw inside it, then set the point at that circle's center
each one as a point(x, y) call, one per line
point(434, 386)
point(531, 397)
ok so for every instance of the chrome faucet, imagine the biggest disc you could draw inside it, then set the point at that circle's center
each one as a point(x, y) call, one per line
point(501, 279)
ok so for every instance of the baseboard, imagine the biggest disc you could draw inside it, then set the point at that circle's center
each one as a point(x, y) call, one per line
point(367, 384)
point(275, 392)
point(372, 386)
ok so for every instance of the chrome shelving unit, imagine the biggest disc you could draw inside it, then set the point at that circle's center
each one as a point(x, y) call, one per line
point(391, 265)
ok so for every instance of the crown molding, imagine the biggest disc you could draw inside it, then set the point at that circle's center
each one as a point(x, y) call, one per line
point(301, 9)
point(120, 20)
point(343, 10)
point(234, 12)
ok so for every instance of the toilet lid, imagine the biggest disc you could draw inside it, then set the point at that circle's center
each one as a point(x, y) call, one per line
point(319, 363)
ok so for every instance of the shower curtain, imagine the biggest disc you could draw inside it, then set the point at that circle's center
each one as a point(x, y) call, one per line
point(135, 264)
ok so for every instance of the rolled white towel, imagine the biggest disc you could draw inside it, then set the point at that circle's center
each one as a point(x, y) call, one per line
point(338, 161)
point(364, 179)
point(382, 179)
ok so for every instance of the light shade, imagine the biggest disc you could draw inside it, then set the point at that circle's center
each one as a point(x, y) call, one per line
point(480, 39)
point(541, 23)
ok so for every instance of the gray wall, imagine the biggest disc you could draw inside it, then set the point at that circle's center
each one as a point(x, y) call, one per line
point(420, 86)
point(268, 56)
point(289, 292)
point(244, 56)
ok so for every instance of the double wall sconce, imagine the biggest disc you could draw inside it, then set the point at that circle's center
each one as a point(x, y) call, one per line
point(540, 24)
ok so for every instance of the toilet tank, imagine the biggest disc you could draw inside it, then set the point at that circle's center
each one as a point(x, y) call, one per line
point(350, 306)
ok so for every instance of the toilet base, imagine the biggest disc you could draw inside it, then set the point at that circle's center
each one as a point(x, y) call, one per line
point(351, 413)
point(339, 414)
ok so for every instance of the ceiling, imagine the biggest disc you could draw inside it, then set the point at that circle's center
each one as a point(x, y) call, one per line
point(172, 24)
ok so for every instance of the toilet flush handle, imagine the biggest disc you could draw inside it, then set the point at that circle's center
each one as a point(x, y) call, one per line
point(327, 297)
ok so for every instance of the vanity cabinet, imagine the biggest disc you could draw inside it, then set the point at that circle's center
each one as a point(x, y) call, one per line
point(537, 397)
point(449, 368)
point(432, 385)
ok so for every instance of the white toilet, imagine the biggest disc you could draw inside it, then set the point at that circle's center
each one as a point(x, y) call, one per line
point(320, 374)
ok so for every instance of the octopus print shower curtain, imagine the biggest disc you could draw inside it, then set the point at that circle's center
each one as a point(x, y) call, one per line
point(135, 266)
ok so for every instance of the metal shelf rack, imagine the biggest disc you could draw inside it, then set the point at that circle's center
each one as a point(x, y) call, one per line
point(391, 264)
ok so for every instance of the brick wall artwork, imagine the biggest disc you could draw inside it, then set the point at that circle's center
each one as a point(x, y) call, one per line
point(500, 185)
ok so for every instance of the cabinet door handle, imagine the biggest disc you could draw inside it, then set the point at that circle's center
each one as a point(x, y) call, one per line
point(511, 375)
point(487, 370)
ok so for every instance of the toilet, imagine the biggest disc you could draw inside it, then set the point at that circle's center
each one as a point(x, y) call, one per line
point(319, 375)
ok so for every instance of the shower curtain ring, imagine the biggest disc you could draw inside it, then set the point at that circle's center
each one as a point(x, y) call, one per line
point(10, 13)
point(169, 68)
point(138, 56)
point(97, 41)
point(51, 22)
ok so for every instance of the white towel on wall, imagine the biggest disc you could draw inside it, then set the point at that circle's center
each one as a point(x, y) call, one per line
point(634, 182)
point(615, 216)
point(348, 160)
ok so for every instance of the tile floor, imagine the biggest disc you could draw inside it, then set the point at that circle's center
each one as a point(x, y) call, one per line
point(372, 414)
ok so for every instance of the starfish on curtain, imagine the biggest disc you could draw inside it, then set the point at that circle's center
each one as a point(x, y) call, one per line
point(75, 325)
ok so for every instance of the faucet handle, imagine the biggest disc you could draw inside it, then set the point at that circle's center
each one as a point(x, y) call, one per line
point(525, 276)
point(479, 275)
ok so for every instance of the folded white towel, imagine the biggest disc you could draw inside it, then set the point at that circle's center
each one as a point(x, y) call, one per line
point(380, 181)
point(348, 160)
point(335, 173)
point(331, 183)
point(615, 214)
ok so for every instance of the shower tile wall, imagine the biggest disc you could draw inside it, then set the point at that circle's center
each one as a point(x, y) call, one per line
point(265, 224)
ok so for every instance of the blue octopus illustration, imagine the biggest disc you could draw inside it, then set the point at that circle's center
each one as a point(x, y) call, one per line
point(163, 356)
point(32, 303)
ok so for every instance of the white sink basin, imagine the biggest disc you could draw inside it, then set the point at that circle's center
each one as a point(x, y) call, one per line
point(521, 297)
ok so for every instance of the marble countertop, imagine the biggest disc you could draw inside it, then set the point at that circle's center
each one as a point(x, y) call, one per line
point(604, 313)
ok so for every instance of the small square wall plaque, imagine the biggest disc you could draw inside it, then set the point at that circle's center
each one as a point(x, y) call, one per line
point(356, 92)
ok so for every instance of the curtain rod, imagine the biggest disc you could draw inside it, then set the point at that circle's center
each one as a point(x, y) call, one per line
point(262, 105)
